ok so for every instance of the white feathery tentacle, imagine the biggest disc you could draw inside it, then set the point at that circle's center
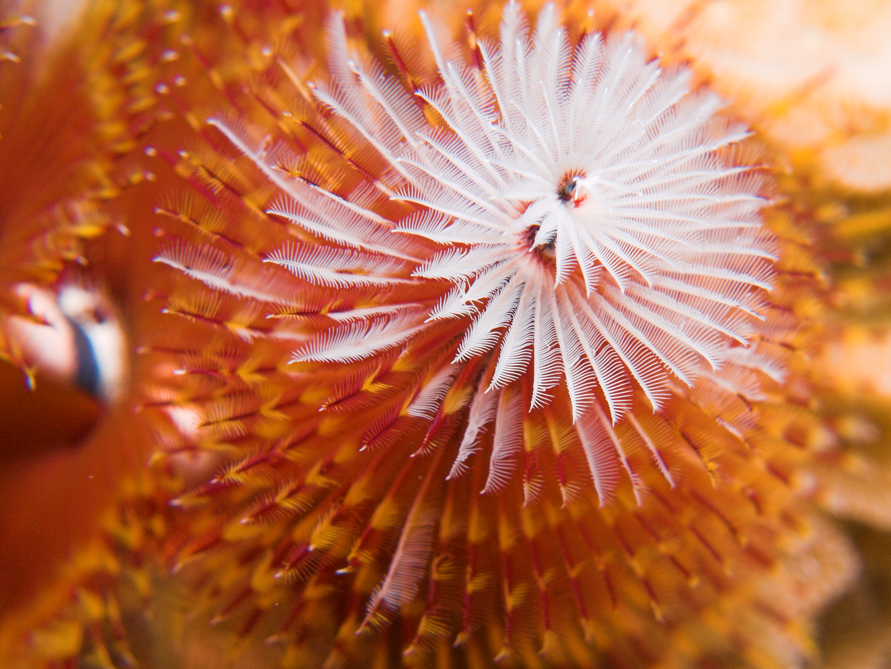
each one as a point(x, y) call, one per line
point(482, 411)
point(359, 340)
point(507, 440)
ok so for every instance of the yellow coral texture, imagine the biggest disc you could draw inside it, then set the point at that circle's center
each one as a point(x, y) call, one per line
point(430, 334)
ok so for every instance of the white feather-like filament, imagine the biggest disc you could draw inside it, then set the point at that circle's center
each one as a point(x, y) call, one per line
point(357, 341)
point(482, 411)
point(338, 268)
point(408, 566)
point(428, 401)
point(507, 440)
